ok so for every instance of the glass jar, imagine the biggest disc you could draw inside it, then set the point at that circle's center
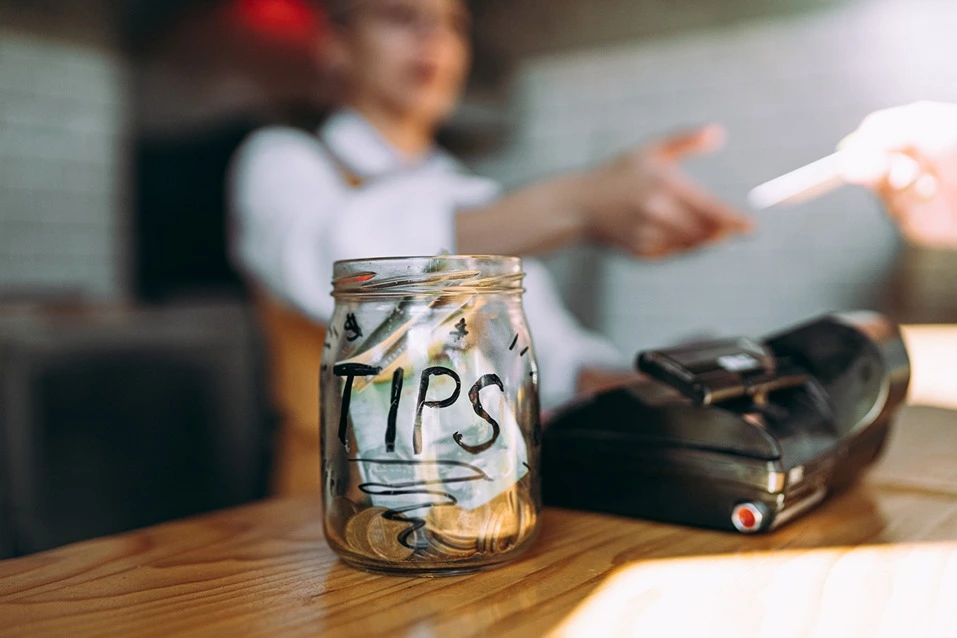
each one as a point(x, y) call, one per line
point(430, 426)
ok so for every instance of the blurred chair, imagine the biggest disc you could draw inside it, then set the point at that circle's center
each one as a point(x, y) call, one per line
point(117, 419)
point(295, 352)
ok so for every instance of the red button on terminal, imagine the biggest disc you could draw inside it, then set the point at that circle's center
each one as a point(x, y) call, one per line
point(747, 517)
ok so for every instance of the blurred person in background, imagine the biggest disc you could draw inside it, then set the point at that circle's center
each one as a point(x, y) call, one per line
point(372, 183)
point(908, 156)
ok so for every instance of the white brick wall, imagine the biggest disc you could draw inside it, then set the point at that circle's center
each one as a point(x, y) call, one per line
point(788, 89)
point(62, 169)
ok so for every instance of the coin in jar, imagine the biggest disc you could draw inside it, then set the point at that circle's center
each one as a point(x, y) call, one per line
point(450, 548)
point(526, 520)
point(339, 512)
point(357, 530)
point(455, 523)
point(450, 530)
point(498, 530)
point(384, 537)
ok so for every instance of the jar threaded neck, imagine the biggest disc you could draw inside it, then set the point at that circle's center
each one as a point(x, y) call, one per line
point(427, 276)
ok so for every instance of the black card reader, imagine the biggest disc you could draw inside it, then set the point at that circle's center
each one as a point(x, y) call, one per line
point(734, 434)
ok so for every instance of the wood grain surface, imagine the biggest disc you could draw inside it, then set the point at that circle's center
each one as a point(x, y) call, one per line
point(882, 554)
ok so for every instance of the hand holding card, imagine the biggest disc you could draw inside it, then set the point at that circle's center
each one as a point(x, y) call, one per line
point(907, 155)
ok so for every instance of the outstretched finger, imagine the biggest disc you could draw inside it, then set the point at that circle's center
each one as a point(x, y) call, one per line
point(699, 141)
point(721, 216)
point(684, 227)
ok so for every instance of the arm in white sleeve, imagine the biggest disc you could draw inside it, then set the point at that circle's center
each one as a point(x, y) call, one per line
point(294, 217)
point(562, 347)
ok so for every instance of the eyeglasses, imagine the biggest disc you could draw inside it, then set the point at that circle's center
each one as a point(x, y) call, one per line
point(418, 19)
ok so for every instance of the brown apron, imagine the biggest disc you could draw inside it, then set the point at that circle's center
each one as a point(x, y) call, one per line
point(295, 345)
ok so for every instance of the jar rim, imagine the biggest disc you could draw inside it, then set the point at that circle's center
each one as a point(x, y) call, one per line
point(427, 275)
point(430, 258)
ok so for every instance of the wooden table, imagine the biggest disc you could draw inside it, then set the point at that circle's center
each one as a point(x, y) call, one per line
point(880, 559)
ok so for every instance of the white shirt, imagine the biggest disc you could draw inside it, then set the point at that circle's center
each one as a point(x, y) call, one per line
point(294, 215)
